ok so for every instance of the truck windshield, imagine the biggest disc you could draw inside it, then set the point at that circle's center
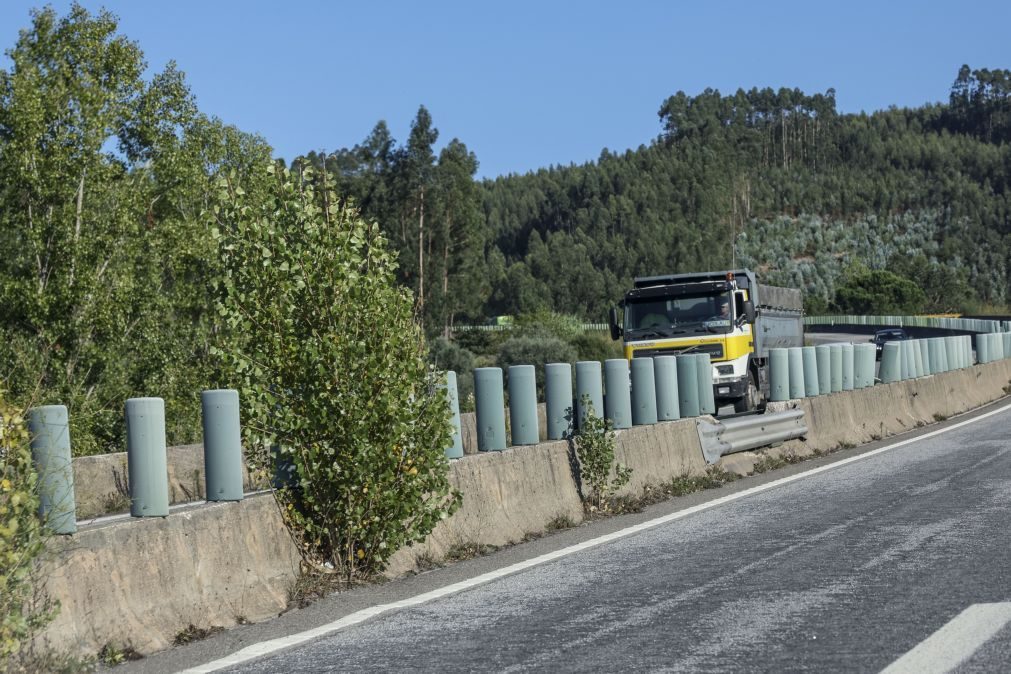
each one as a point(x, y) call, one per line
point(668, 316)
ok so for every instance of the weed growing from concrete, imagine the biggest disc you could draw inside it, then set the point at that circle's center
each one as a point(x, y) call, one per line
point(113, 654)
point(464, 551)
point(194, 633)
point(938, 417)
point(595, 449)
point(559, 523)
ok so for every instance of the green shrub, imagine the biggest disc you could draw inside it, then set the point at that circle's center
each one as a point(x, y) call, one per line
point(595, 451)
point(22, 541)
point(444, 355)
point(596, 346)
point(332, 371)
point(542, 324)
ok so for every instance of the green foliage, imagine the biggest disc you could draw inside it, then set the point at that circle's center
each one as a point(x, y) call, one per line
point(22, 541)
point(879, 292)
point(536, 351)
point(104, 281)
point(597, 346)
point(595, 450)
point(445, 355)
point(333, 374)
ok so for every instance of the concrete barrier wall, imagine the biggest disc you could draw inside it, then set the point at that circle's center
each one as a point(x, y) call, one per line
point(140, 582)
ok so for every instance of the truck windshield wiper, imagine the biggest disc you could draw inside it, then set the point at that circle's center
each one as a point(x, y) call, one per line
point(649, 332)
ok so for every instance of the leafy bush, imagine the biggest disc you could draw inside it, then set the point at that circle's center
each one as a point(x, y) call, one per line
point(596, 346)
point(549, 324)
point(22, 540)
point(879, 292)
point(595, 451)
point(332, 371)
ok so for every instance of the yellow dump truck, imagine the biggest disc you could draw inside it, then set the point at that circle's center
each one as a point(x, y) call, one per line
point(727, 314)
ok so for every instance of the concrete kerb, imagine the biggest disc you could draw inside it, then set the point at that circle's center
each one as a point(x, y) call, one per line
point(228, 560)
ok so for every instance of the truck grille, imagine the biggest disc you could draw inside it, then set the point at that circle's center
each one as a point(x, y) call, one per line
point(715, 351)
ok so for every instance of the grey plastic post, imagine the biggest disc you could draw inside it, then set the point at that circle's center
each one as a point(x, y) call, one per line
point(891, 362)
point(810, 371)
point(688, 386)
point(643, 392)
point(967, 351)
point(49, 430)
point(146, 462)
point(455, 448)
point(704, 374)
point(983, 348)
point(937, 354)
point(823, 353)
point(222, 445)
point(558, 400)
point(924, 345)
point(489, 406)
point(847, 367)
point(918, 368)
point(665, 373)
point(617, 401)
point(779, 375)
point(796, 359)
point(523, 405)
point(908, 361)
point(863, 365)
point(836, 361)
point(589, 383)
point(950, 354)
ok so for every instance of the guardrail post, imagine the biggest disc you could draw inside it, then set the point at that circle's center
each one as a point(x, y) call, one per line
point(146, 463)
point(951, 353)
point(688, 385)
point(917, 358)
point(617, 400)
point(836, 362)
point(222, 445)
point(823, 354)
point(908, 360)
point(589, 383)
point(937, 364)
point(795, 358)
point(489, 406)
point(779, 375)
point(863, 365)
point(810, 359)
point(665, 373)
point(643, 392)
point(558, 400)
point(49, 433)
point(455, 448)
point(523, 405)
point(704, 372)
point(847, 367)
point(967, 358)
point(891, 362)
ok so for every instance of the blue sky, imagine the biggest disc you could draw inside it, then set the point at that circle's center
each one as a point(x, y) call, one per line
point(531, 84)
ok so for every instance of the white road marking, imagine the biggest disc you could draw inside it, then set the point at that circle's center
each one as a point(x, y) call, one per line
point(281, 643)
point(955, 642)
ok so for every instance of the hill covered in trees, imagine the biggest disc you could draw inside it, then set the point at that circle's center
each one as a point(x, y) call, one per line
point(776, 180)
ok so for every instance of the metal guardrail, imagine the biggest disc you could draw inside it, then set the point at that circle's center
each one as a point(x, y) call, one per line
point(978, 325)
point(751, 432)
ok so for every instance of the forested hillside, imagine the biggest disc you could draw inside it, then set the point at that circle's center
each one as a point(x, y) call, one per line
point(775, 180)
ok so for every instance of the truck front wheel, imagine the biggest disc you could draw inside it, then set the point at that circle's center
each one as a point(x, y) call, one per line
point(752, 399)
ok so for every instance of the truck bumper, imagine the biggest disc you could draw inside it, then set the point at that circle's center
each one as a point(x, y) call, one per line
point(734, 389)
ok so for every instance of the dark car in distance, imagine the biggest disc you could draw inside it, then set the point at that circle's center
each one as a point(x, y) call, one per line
point(888, 335)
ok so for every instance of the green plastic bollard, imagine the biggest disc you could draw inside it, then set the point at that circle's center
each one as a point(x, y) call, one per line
point(823, 353)
point(589, 383)
point(455, 448)
point(908, 362)
point(643, 392)
point(863, 365)
point(779, 375)
point(704, 377)
point(617, 398)
point(523, 405)
point(688, 386)
point(918, 369)
point(145, 457)
point(49, 430)
point(558, 400)
point(836, 362)
point(925, 356)
point(222, 445)
point(665, 374)
point(891, 362)
point(983, 348)
point(489, 406)
point(795, 357)
point(937, 355)
point(950, 358)
point(847, 367)
point(810, 371)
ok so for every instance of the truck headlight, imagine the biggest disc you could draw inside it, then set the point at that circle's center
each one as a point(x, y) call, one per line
point(724, 369)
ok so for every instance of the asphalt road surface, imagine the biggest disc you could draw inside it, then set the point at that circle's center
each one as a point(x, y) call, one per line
point(899, 557)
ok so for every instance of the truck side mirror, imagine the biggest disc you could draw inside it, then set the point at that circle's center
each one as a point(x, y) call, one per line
point(612, 315)
point(749, 310)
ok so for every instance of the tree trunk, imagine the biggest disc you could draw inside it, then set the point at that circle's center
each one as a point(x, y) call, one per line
point(421, 253)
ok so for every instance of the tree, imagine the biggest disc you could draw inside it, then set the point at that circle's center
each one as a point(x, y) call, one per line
point(879, 292)
point(332, 368)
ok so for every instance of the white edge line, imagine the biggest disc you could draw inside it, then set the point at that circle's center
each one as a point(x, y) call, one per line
point(281, 643)
point(954, 642)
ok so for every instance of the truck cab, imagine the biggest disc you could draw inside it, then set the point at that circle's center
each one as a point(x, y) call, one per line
point(717, 313)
